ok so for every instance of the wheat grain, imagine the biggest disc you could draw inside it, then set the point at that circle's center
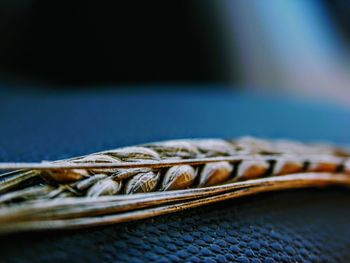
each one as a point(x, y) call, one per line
point(215, 173)
point(178, 177)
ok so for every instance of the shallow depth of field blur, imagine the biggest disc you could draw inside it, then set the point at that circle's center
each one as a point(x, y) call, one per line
point(298, 47)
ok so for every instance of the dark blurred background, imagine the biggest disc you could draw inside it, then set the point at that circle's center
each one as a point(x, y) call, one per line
point(99, 42)
point(272, 45)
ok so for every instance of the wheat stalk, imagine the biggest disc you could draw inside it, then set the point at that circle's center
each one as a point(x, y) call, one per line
point(142, 181)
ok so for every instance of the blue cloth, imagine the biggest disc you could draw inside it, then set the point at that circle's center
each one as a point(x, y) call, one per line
point(304, 226)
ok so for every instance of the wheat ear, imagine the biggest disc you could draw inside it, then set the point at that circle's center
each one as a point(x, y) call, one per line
point(152, 179)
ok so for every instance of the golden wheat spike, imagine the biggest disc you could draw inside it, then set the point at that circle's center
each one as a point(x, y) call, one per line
point(156, 178)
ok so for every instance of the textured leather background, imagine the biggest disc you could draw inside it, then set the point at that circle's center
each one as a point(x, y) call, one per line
point(294, 226)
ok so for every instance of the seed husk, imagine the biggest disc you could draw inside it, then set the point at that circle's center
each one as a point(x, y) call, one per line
point(282, 167)
point(104, 187)
point(179, 177)
point(252, 169)
point(215, 173)
point(142, 183)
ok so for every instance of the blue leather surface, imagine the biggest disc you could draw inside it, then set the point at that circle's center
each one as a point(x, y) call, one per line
point(295, 226)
